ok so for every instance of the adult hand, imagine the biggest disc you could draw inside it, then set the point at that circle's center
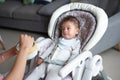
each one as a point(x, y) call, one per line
point(18, 70)
point(26, 42)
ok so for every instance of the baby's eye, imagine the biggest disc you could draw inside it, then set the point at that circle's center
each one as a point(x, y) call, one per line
point(68, 28)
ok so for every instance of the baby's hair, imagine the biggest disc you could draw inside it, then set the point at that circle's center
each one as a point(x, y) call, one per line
point(71, 19)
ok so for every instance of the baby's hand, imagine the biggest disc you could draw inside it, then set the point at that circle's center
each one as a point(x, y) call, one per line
point(39, 61)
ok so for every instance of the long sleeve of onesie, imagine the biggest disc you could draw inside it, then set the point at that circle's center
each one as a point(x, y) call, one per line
point(43, 44)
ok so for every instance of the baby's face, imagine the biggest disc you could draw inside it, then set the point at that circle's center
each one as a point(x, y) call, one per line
point(69, 30)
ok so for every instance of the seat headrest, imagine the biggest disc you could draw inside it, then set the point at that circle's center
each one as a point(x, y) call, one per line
point(87, 24)
point(93, 22)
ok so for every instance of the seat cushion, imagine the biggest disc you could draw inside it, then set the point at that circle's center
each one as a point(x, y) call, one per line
point(27, 12)
point(110, 6)
point(8, 7)
point(48, 9)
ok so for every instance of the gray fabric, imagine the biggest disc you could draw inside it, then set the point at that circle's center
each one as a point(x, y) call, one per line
point(8, 7)
point(110, 6)
point(15, 15)
point(51, 7)
point(27, 12)
point(39, 26)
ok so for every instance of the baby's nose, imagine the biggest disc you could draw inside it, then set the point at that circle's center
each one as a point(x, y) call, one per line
point(65, 29)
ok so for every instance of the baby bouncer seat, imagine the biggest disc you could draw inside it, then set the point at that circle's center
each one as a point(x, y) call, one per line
point(93, 22)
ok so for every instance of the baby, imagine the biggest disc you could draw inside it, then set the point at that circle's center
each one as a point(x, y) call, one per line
point(55, 57)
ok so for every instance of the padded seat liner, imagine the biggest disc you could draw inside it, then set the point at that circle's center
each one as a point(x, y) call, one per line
point(87, 24)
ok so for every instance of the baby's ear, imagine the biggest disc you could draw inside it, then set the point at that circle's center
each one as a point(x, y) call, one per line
point(78, 30)
point(77, 33)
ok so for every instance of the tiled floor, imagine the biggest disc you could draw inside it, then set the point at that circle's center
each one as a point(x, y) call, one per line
point(111, 63)
point(111, 57)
